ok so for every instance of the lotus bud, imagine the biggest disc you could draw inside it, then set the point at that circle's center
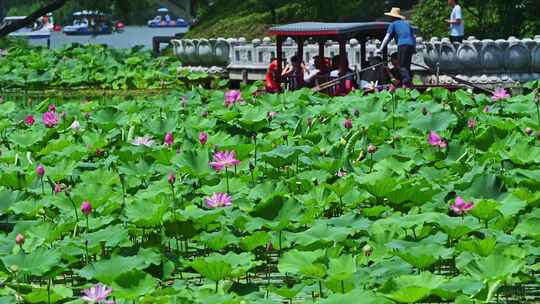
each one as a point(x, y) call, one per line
point(310, 122)
point(57, 188)
point(371, 149)
point(169, 139)
point(52, 107)
point(269, 246)
point(271, 115)
point(251, 166)
point(424, 111)
point(528, 131)
point(203, 138)
point(171, 178)
point(29, 120)
point(356, 113)
point(86, 208)
point(367, 250)
point(347, 123)
point(40, 170)
point(471, 123)
point(19, 239)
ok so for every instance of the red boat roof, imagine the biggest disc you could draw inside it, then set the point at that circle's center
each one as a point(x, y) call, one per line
point(317, 29)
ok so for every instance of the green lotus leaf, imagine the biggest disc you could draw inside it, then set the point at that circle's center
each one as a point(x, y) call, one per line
point(341, 268)
point(483, 247)
point(295, 261)
point(286, 292)
point(353, 298)
point(493, 268)
point(133, 284)
point(486, 210)
point(38, 262)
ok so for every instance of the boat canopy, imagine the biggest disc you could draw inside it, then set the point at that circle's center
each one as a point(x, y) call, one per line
point(375, 30)
point(163, 10)
point(11, 18)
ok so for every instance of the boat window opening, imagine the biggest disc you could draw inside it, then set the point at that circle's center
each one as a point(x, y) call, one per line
point(237, 55)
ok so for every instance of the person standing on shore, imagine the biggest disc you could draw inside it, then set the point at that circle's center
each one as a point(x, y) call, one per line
point(457, 26)
point(403, 33)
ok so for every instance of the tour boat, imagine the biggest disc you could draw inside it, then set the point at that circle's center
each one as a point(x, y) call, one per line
point(41, 29)
point(163, 19)
point(90, 23)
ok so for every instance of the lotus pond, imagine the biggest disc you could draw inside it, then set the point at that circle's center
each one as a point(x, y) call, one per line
point(207, 196)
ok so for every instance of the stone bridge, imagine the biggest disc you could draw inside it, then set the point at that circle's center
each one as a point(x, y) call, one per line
point(489, 62)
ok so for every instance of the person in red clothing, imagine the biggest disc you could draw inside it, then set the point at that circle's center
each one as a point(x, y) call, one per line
point(271, 84)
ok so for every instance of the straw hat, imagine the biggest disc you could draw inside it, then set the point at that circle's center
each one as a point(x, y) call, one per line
point(395, 12)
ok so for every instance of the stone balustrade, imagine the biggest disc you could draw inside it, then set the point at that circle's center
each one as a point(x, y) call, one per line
point(480, 61)
point(512, 60)
point(237, 53)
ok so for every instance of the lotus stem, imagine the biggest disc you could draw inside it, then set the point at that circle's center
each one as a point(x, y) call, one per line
point(42, 186)
point(227, 179)
point(538, 111)
point(320, 290)
point(86, 241)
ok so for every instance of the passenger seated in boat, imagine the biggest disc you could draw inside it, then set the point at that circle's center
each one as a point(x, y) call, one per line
point(346, 75)
point(167, 18)
point(313, 74)
point(292, 71)
point(271, 84)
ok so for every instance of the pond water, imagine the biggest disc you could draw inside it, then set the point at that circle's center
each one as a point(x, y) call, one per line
point(132, 36)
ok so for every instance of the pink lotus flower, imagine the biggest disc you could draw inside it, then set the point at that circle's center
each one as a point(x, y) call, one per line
point(97, 294)
point(40, 170)
point(341, 173)
point(29, 120)
point(471, 123)
point(232, 97)
point(52, 107)
point(347, 123)
point(461, 207)
point(435, 140)
point(75, 126)
point(203, 138)
point(371, 149)
point(224, 159)
point(218, 200)
point(143, 141)
point(169, 139)
point(500, 93)
point(57, 188)
point(50, 119)
point(86, 208)
point(171, 178)
point(19, 239)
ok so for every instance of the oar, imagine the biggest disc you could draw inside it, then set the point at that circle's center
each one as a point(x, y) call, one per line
point(333, 82)
point(457, 79)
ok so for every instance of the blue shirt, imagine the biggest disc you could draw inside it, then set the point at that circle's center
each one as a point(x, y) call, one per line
point(457, 29)
point(402, 31)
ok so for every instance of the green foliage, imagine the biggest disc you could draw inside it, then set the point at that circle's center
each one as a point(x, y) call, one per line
point(483, 19)
point(76, 66)
point(380, 231)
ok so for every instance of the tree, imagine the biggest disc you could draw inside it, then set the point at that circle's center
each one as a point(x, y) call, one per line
point(53, 5)
point(483, 19)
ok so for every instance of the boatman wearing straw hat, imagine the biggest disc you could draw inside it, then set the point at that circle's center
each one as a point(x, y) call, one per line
point(403, 33)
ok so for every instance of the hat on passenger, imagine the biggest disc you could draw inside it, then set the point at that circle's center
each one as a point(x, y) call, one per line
point(395, 12)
